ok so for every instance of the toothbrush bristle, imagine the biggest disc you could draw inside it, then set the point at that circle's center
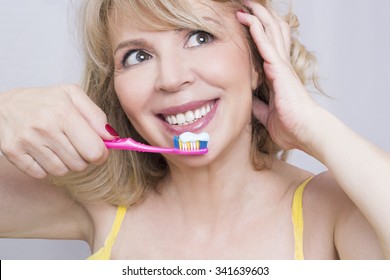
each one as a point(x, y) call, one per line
point(189, 146)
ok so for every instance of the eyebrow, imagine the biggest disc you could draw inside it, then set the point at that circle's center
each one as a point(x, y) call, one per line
point(140, 43)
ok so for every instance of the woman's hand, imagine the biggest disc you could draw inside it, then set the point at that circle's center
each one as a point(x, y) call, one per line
point(52, 130)
point(295, 121)
point(290, 106)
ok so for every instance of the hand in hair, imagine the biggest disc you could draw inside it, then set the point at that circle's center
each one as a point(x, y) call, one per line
point(290, 106)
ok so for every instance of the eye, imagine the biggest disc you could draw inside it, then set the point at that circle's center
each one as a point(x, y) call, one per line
point(134, 57)
point(198, 38)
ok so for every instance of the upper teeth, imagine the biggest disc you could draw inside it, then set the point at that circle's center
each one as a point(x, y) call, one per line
point(189, 116)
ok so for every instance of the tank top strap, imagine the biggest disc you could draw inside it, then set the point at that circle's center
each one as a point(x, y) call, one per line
point(111, 238)
point(297, 218)
point(105, 252)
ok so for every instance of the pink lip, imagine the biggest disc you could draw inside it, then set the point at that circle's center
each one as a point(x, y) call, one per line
point(196, 126)
point(184, 108)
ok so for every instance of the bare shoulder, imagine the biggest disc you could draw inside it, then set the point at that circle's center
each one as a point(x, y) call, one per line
point(334, 227)
point(324, 190)
point(102, 217)
point(329, 209)
point(329, 197)
point(325, 201)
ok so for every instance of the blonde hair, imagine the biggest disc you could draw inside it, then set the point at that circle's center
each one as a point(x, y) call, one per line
point(127, 176)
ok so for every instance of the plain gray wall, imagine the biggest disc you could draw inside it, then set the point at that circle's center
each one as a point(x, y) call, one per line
point(351, 38)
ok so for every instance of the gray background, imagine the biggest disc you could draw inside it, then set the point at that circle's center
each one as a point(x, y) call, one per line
point(351, 38)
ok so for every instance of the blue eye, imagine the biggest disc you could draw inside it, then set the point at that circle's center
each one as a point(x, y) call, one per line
point(198, 38)
point(134, 57)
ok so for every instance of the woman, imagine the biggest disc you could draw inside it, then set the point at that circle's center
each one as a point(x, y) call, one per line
point(148, 63)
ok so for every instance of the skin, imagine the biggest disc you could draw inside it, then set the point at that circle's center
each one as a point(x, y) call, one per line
point(176, 75)
point(203, 205)
point(40, 131)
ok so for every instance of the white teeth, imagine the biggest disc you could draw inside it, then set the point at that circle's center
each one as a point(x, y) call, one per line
point(181, 119)
point(203, 111)
point(198, 114)
point(189, 116)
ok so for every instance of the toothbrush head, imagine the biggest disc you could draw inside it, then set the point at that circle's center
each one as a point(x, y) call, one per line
point(189, 146)
point(191, 143)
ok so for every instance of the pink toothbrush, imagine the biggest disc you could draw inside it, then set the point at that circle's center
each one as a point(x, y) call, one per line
point(192, 147)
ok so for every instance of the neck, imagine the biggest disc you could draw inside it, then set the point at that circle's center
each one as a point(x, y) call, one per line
point(209, 193)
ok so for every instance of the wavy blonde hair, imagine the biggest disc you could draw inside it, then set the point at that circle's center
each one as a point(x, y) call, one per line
point(127, 176)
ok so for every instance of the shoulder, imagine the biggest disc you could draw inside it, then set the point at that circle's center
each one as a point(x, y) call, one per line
point(321, 193)
point(102, 216)
point(324, 189)
point(321, 187)
point(328, 207)
point(324, 195)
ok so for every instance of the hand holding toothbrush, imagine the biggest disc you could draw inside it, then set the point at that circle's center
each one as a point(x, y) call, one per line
point(52, 130)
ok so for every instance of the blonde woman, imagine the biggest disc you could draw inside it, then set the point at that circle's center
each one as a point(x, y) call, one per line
point(148, 63)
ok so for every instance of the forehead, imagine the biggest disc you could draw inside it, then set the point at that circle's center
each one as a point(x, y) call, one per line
point(163, 15)
point(136, 19)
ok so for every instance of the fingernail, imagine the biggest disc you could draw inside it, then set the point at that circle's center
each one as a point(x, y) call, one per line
point(111, 130)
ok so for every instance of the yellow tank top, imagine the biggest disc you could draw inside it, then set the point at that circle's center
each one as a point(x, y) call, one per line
point(297, 218)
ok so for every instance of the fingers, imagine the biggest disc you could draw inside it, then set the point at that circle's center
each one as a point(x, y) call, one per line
point(28, 165)
point(94, 115)
point(39, 153)
point(55, 156)
point(85, 140)
point(62, 148)
point(270, 33)
point(52, 131)
point(285, 30)
point(48, 161)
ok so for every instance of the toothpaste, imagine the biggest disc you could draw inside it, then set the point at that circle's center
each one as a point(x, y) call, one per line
point(192, 137)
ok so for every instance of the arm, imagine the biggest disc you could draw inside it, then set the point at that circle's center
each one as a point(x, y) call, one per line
point(353, 236)
point(33, 208)
point(359, 167)
point(295, 121)
point(46, 131)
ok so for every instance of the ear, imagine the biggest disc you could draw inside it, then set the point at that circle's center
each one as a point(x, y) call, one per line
point(256, 78)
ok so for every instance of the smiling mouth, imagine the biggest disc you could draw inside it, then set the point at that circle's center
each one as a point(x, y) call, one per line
point(190, 116)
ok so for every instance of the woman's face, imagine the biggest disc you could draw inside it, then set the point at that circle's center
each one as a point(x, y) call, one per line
point(169, 82)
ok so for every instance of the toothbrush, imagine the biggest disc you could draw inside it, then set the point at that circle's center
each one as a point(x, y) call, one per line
point(185, 144)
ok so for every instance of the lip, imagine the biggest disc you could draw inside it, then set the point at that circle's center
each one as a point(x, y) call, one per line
point(185, 107)
point(192, 127)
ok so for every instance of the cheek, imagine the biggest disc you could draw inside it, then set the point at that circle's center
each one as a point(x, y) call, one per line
point(233, 71)
point(131, 94)
point(239, 80)
point(232, 65)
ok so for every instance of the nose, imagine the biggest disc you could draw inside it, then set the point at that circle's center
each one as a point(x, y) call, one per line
point(174, 73)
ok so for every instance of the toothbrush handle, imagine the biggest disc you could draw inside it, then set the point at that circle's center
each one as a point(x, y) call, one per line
point(131, 145)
